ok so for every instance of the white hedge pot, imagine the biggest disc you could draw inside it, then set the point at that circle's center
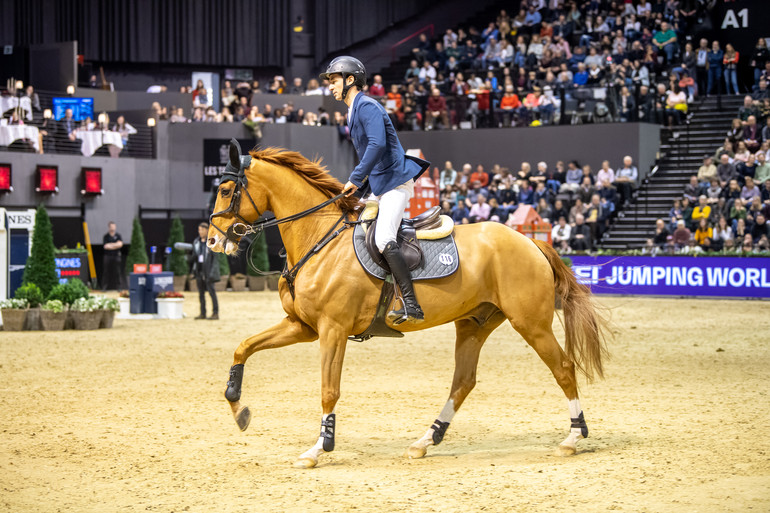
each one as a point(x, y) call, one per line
point(125, 306)
point(170, 307)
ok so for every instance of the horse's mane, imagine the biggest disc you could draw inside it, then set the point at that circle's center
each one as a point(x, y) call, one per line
point(311, 170)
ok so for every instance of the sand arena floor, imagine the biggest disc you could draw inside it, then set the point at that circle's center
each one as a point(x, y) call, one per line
point(134, 419)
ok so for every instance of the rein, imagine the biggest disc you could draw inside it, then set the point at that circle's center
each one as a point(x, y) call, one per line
point(235, 172)
point(243, 229)
point(291, 274)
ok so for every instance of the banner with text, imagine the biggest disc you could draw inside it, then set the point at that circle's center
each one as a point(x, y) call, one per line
point(674, 276)
point(216, 153)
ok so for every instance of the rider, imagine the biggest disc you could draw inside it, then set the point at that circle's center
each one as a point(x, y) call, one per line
point(391, 173)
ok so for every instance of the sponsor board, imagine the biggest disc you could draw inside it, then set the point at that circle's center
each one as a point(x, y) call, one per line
point(674, 276)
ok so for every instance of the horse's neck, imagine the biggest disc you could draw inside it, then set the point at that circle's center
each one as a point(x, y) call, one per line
point(290, 194)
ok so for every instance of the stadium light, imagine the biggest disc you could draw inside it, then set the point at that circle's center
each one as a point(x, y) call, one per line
point(91, 178)
point(47, 179)
point(6, 178)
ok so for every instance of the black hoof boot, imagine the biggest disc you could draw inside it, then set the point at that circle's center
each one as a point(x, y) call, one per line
point(327, 432)
point(233, 391)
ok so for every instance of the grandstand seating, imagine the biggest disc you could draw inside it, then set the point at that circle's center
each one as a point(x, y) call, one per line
point(680, 158)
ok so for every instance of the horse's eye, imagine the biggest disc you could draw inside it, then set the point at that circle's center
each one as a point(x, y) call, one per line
point(225, 193)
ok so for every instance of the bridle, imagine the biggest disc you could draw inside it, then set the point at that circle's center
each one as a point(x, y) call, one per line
point(237, 174)
point(244, 227)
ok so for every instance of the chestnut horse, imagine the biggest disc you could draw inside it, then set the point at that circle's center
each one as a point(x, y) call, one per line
point(502, 276)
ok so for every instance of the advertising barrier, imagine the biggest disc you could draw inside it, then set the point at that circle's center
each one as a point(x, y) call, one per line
point(747, 277)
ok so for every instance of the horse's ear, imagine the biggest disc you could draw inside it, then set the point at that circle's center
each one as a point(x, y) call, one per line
point(235, 153)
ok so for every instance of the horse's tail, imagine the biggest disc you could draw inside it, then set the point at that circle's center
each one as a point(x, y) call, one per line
point(585, 328)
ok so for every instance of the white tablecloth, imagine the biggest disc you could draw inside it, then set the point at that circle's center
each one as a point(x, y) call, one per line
point(10, 133)
point(92, 141)
point(11, 102)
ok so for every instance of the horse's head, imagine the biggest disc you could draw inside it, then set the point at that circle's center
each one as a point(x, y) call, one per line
point(232, 215)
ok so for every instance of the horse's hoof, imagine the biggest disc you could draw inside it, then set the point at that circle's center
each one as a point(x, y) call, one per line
point(415, 452)
point(243, 417)
point(305, 463)
point(566, 450)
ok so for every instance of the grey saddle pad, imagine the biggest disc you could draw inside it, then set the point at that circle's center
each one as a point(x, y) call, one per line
point(440, 257)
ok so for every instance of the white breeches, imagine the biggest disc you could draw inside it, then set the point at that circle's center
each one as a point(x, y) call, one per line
point(392, 206)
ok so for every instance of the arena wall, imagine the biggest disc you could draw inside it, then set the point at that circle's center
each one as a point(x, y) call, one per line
point(175, 179)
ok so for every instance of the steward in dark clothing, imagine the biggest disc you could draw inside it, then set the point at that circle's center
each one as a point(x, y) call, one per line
point(206, 270)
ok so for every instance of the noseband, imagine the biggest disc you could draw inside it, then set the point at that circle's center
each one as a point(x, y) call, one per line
point(231, 174)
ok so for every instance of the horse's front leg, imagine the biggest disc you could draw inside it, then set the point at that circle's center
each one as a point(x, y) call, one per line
point(333, 344)
point(285, 333)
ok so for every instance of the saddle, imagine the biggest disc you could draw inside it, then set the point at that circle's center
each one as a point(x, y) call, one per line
point(435, 258)
point(428, 225)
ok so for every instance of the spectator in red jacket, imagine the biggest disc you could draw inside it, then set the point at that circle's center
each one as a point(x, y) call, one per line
point(395, 107)
point(480, 176)
point(509, 105)
point(377, 89)
point(436, 109)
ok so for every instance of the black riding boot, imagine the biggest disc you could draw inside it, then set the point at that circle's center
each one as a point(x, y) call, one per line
point(411, 310)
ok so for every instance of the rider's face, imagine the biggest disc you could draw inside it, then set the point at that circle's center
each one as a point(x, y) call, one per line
point(335, 86)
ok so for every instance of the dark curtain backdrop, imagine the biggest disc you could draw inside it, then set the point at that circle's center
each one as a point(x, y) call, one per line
point(244, 33)
point(341, 23)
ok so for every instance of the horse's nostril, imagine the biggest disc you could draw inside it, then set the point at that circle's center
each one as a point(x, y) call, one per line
point(212, 241)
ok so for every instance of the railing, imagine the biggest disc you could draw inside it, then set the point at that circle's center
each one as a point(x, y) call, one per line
point(576, 106)
point(39, 133)
point(395, 46)
point(167, 213)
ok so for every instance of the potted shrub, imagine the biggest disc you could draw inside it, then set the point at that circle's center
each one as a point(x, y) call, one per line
point(137, 253)
point(40, 268)
point(86, 313)
point(170, 305)
point(108, 307)
point(124, 303)
point(238, 282)
point(177, 262)
point(14, 312)
point(68, 293)
point(224, 272)
point(257, 262)
point(53, 315)
point(34, 297)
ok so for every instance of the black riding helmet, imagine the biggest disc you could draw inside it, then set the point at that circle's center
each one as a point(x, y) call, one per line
point(346, 65)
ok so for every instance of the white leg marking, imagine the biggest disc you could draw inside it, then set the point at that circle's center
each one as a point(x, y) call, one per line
point(309, 458)
point(420, 447)
point(448, 412)
point(569, 445)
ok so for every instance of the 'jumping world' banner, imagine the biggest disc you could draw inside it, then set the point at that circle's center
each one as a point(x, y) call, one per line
point(675, 276)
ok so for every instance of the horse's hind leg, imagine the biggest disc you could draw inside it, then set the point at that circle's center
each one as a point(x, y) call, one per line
point(471, 335)
point(539, 335)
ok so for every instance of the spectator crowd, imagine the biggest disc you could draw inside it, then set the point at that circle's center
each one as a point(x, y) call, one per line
point(726, 205)
point(552, 62)
point(578, 201)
